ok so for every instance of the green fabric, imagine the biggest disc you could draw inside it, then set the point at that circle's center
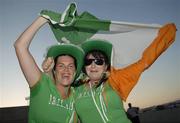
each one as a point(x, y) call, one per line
point(71, 33)
point(46, 105)
point(68, 49)
point(54, 17)
point(87, 110)
point(68, 15)
point(74, 28)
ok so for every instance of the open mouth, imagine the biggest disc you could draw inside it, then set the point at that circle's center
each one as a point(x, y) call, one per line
point(93, 71)
point(66, 76)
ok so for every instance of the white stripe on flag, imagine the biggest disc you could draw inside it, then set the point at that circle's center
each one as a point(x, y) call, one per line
point(121, 26)
point(128, 47)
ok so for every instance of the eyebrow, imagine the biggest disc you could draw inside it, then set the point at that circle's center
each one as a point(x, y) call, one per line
point(68, 64)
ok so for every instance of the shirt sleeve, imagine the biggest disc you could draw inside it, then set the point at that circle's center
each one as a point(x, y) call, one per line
point(123, 80)
point(44, 79)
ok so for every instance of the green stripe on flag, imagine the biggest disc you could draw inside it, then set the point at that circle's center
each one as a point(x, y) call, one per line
point(89, 21)
point(70, 27)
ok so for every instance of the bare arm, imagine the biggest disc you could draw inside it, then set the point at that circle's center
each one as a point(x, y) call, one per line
point(27, 63)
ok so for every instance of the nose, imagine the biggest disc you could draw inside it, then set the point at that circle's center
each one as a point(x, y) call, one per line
point(66, 68)
point(93, 65)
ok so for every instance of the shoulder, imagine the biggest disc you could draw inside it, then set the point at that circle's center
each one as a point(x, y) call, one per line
point(44, 79)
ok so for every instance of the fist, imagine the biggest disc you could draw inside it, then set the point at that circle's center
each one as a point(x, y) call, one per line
point(48, 64)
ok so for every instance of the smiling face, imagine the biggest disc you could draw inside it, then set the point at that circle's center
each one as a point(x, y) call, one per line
point(94, 67)
point(65, 70)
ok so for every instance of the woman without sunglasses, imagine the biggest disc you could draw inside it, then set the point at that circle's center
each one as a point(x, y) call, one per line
point(51, 100)
point(99, 98)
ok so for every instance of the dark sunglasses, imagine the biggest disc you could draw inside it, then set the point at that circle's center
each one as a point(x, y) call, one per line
point(96, 61)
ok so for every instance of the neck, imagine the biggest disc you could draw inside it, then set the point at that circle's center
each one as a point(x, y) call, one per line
point(94, 82)
point(64, 91)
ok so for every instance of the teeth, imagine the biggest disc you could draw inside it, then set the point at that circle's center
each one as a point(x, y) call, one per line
point(65, 77)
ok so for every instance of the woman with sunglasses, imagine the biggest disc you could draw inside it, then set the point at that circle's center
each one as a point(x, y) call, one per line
point(96, 101)
point(99, 98)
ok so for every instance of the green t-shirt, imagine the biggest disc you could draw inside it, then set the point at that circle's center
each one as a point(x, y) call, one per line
point(99, 105)
point(46, 105)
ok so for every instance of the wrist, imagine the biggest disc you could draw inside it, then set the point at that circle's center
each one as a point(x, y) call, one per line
point(42, 19)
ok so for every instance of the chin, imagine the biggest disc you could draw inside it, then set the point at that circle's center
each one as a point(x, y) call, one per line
point(66, 83)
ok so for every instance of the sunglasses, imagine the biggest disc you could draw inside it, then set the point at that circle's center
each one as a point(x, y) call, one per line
point(96, 61)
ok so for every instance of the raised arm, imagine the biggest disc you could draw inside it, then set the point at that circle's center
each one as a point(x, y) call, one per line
point(27, 63)
point(123, 80)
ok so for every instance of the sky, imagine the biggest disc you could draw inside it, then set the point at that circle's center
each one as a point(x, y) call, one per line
point(159, 84)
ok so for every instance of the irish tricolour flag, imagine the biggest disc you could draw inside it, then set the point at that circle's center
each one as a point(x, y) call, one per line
point(128, 39)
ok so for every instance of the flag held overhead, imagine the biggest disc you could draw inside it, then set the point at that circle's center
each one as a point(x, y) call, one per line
point(69, 27)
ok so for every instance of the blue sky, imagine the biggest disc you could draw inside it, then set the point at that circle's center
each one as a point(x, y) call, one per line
point(159, 84)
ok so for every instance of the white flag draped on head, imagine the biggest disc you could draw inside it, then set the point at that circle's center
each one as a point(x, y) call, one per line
point(128, 39)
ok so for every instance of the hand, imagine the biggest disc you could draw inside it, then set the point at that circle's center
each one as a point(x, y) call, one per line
point(48, 65)
point(51, 16)
point(43, 20)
